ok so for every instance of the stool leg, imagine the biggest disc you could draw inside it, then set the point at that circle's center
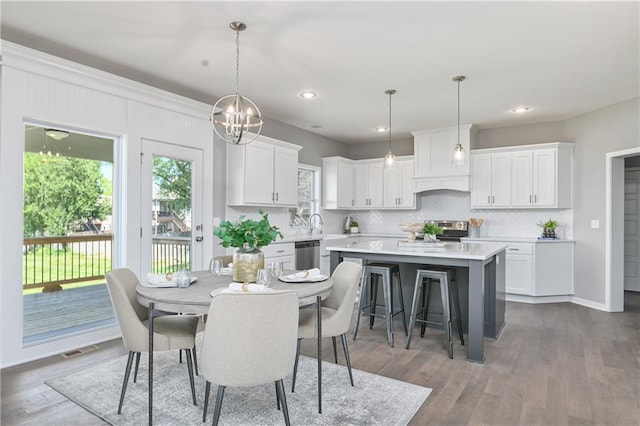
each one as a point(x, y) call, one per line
point(404, 317)
point(374, 299)
point(363, 291)
point(388, 302)
point(446, 314)
point(418, 293)
point(425, 307)
point(456, 303)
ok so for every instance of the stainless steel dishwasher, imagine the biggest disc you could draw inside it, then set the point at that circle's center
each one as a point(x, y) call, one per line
point(307, 254)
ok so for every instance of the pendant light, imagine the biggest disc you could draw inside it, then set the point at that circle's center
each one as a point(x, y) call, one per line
point(234, 116)
point(458, 151)
point(390, 159)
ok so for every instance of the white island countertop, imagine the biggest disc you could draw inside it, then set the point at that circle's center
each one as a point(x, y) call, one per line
point(449, 250)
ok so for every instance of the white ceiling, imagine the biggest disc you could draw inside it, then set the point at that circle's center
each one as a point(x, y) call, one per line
point(561, 58)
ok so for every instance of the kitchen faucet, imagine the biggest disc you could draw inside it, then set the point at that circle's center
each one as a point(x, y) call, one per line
point(311, 222)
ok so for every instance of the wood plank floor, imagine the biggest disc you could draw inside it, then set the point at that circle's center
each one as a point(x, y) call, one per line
point(554, 364)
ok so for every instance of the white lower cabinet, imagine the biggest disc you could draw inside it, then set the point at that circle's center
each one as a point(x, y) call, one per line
point(537, 269)
point(519, 269)
point(284, 252)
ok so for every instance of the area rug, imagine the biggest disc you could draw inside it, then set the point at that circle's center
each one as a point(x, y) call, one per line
point(374, 400)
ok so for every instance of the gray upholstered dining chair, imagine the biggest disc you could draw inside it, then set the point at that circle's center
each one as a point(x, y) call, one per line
point(337, 310)
point(249, 339)
point(170, 332)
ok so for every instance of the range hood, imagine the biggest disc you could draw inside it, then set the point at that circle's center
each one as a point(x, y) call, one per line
point(433, 150)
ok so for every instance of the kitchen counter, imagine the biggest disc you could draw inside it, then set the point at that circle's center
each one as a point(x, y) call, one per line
point(515, 240)
point(485, 263)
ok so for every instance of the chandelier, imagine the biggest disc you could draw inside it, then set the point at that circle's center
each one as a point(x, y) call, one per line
point(235, 118)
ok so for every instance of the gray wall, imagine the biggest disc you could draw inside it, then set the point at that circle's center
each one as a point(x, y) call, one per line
point(314, 147)
point(609, 129)
point(526, 134)
point(362, 151)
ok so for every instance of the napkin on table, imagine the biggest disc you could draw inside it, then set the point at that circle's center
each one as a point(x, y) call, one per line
point(247, 287)
point(159, 279)
point(306, 273)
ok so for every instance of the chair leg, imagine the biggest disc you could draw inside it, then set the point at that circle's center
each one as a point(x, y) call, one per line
point(346, 357)
point(188, 355)
point(135, 371)
point(216, 410)
point(195, 359)
point(335, 350)
point(361, 304)
point(374, 299)
point(417, 294)
point(282, 397)
point(127, 372)
point(277, 396)
point(388, 302)
point(180, 356)
point(207, 389)
point(426, 308)
point(456, 302)
point(446, 314)
point(404, 315)
point(295, 366)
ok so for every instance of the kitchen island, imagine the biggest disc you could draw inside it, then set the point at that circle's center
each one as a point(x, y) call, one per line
point(484, 261)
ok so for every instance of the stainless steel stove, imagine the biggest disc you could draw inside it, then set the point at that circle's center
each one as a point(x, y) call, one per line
point(453, 229)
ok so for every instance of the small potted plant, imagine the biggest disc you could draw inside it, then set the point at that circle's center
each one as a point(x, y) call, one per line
point(431, 231)
point(353, 227)
point(549, 228)
point(248, 236)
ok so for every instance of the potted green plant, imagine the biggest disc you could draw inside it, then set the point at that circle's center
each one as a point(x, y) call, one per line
point(248, 236)
point(431, 230)
point(354, 227)
point(549, 228)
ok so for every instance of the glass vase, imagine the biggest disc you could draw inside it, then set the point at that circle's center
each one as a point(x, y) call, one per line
point(246, 263)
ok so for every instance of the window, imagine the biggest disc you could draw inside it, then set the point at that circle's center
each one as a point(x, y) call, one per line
point(308, 195)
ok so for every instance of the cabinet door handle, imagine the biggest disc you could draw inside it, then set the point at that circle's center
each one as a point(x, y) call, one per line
point(530, 199)
point(488, 199)
point(514, 249)
point(352, 203)
point(493, 199)
point(276, 196)
point(535, 199)
point(280, 251)
point(273, 196)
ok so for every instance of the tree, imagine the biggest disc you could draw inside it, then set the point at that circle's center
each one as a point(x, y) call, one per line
point(60, 192)
point(173, 178)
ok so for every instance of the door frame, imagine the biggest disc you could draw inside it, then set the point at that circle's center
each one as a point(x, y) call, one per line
point(614, 229)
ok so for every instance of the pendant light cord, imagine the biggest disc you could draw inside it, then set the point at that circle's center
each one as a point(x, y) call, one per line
point(238, 62)
point(458, 112)
point(390, 120)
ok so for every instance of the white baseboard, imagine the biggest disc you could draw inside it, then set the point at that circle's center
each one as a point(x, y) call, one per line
point(537, 299)
point(534, 300)
point(589, 303)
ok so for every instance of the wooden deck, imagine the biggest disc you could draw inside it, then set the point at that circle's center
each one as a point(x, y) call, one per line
point(47, 315)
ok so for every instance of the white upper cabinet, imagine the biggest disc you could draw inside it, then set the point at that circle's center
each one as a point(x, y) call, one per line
point(337, 183)
point(490, 183)
point(368, 184)
point(529, 176)
point(433, 152)
point(262, 173)
point(398, 185)
point(365, 185)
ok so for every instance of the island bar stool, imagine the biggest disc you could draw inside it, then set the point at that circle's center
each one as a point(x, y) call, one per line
point(371, 274)
point(425, 278)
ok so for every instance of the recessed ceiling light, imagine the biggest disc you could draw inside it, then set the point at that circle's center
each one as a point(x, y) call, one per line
point(308, 94)
point(381, 129)
point(521, 109)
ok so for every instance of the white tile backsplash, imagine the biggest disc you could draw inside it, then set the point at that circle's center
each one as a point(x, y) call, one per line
point(433, 205)
point(454, 205)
